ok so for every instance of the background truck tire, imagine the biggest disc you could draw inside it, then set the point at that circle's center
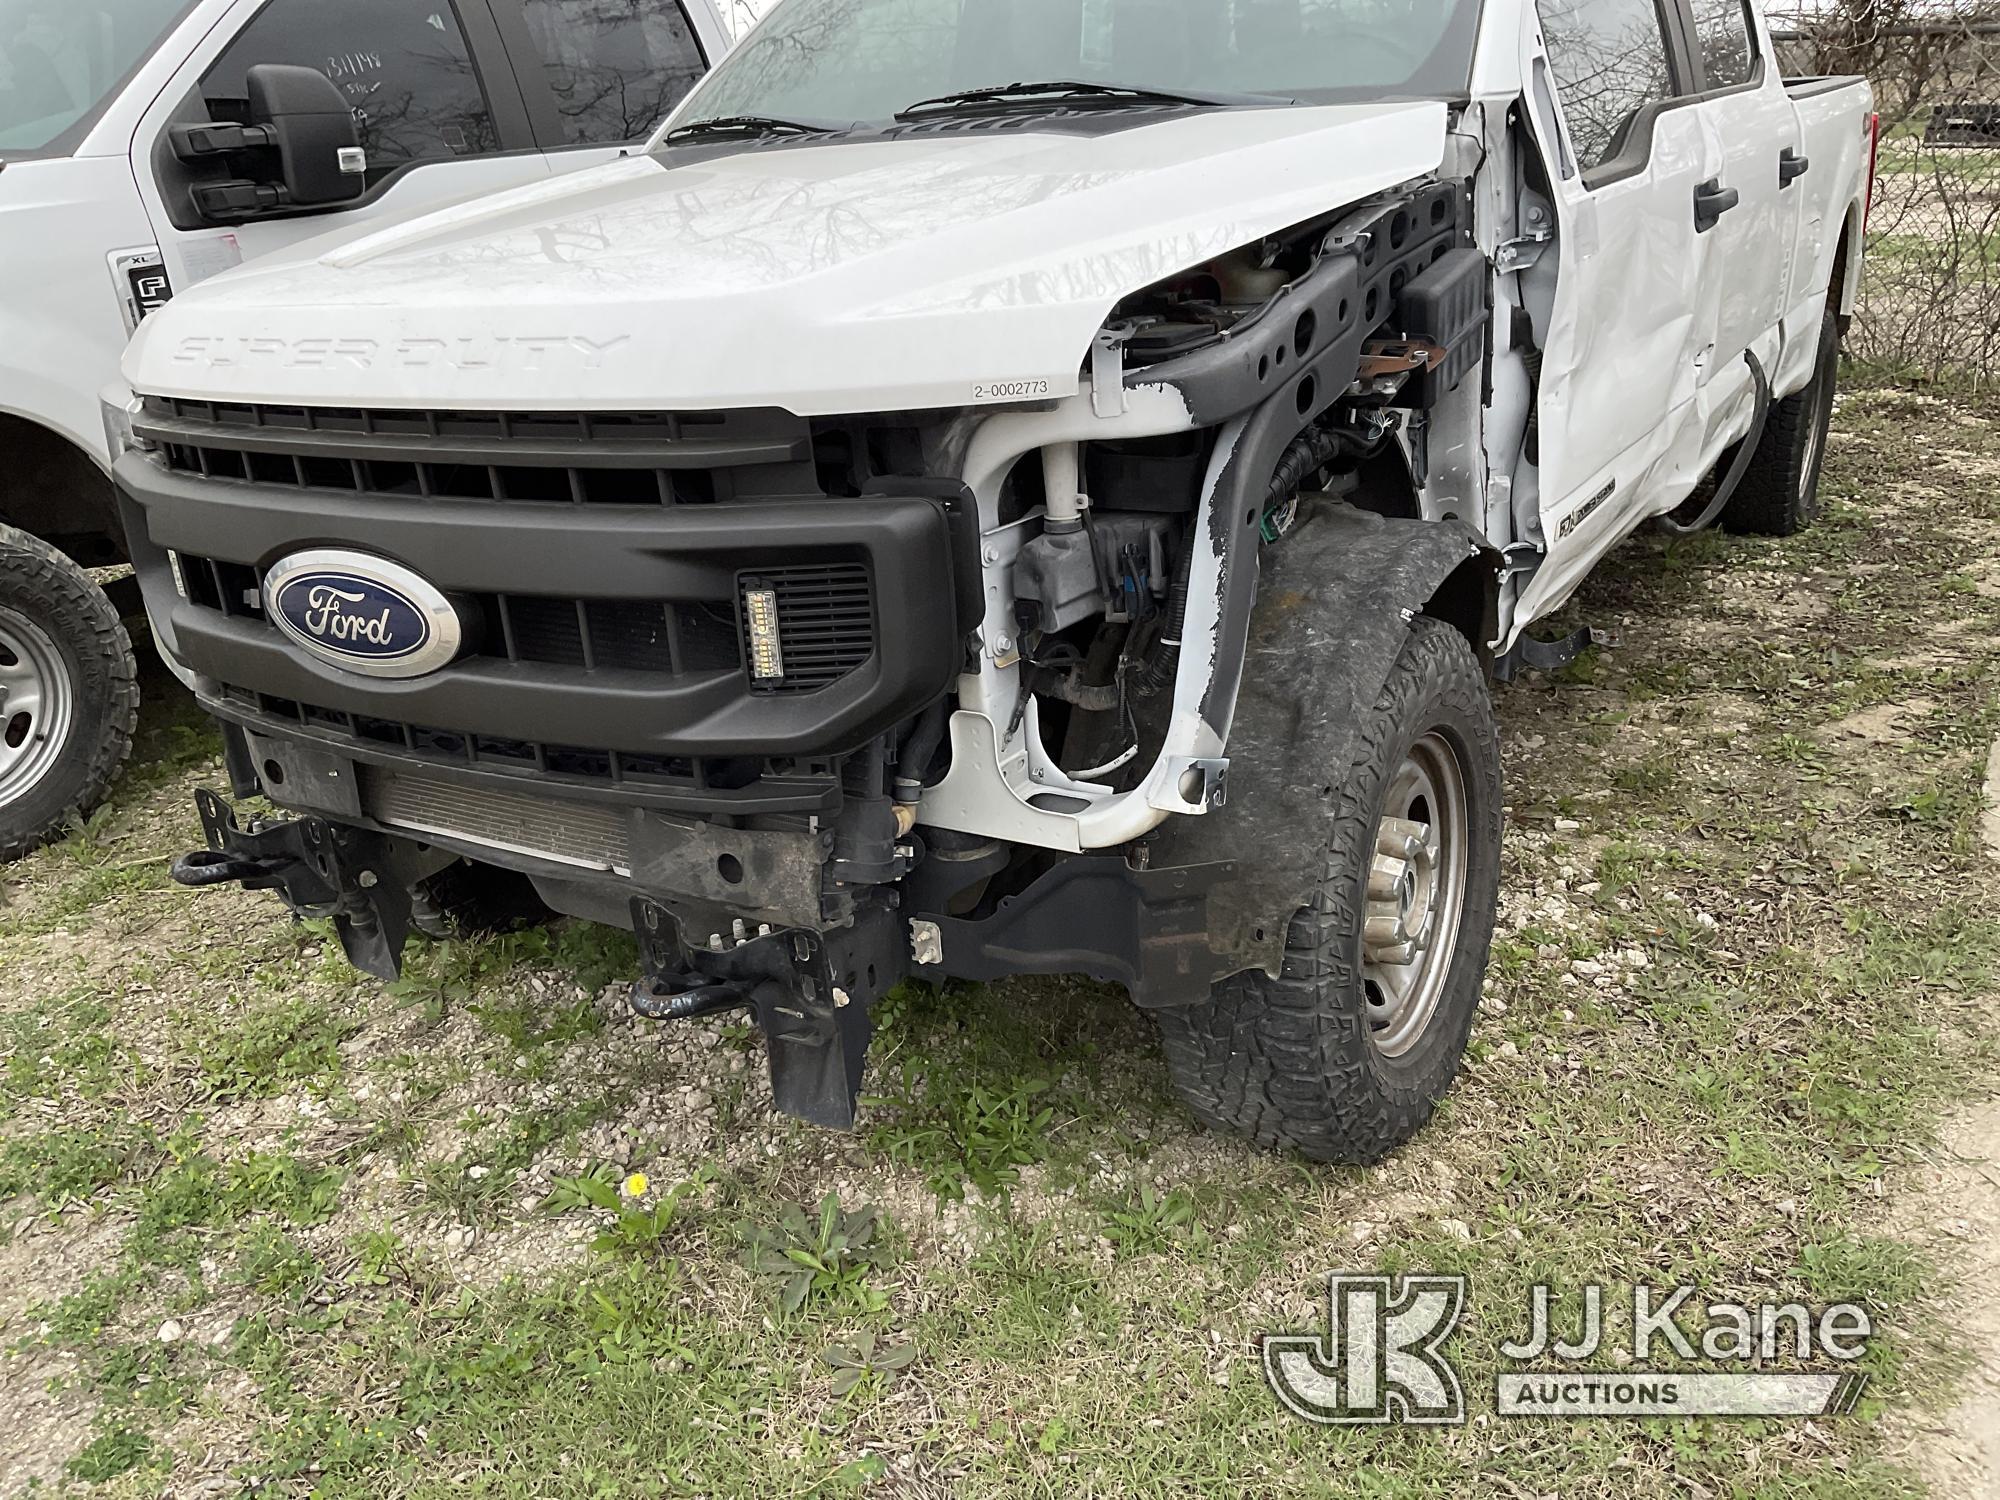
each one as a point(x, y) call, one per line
point(469, 900)
point(1779, 494)
point(1319, 1060)
point(71, 693)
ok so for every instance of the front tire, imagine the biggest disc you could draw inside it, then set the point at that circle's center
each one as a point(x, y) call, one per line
point(69, 693)
point(1344, 1056)
point(1779, 492)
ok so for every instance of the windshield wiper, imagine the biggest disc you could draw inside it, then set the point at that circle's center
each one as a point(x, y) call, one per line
point(750, 125)
point(1061, 91)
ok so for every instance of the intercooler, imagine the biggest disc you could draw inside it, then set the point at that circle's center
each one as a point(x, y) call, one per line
point(589, 835)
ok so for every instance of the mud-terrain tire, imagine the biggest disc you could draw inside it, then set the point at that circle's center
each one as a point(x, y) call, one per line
point(1779, 493)
point(69, 693)
point(1319, 1060)
point(467, 900)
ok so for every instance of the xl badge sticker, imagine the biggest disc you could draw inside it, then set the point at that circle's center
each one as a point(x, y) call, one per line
point(361, 613)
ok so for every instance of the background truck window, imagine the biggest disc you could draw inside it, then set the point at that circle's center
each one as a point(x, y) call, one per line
point(616, 66)
point(402, 64)
point(1610, 62)
point(1722, 32)
point(59, 60)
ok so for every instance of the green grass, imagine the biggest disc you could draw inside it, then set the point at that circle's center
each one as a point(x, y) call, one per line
point(264, 1046)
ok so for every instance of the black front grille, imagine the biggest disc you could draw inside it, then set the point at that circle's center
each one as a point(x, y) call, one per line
point(565, 458)
point(601, 585)
point(528, 458)
point(619, 635)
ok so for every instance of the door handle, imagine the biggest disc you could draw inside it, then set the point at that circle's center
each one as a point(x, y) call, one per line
point(1711, 201)
point(1791, 166)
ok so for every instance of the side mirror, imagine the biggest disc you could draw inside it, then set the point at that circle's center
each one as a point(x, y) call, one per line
point(312, 126)
point(301, 149)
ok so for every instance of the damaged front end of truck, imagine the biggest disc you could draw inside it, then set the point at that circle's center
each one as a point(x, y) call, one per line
point(1054, 679)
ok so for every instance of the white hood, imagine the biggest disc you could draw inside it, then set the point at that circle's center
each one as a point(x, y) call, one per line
point(866, 276)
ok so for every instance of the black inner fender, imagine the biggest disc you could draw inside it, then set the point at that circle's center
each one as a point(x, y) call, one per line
point(1334, 604)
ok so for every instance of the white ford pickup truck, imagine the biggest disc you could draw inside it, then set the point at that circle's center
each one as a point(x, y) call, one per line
point(999, 487)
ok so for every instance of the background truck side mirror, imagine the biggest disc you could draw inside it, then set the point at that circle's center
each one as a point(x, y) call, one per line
point(300, 150)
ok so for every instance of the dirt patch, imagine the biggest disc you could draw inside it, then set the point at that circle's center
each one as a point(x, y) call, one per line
point(1883, 724)
point(1989, 818)
point(1954, 1211)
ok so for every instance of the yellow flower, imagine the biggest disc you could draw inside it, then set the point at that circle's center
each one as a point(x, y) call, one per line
point(636, 1185)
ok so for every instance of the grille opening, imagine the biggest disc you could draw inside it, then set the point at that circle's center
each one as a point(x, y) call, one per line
point(567, 762)
point(229, 587)
point(519, 482)
point(437, 742)
point(486, 747)
point(270, 468)
point(461, 481)
point(202, 585)
point(382, 731)
point(328, 473)
point(692, 486)
point(657, 767)
point(629, 634)
point(833, 461)
point(733, 773)
point(708, 638)
point(620, 486)
point(387, 477)
point(544, 630)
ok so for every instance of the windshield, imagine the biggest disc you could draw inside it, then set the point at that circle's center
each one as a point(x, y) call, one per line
point(60, 58)
point(863, 60)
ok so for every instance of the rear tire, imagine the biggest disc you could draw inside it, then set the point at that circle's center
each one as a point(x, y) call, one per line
point(467, 900)
point(69, 693)
point(1322, 1059)
point(1779, 493)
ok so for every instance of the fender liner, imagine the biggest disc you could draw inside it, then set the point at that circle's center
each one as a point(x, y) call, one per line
point(1281, 370)
point(1334, 606)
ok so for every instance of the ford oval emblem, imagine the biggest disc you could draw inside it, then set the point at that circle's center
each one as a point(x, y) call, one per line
point(361, 613)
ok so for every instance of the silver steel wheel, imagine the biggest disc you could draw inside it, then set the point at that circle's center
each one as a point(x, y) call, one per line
point(1416, 893)
point(37, 704)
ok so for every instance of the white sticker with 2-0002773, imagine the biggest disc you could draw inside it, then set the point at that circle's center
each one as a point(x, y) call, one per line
point(1009, 390)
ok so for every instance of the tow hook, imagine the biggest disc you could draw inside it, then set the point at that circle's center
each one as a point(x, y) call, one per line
point(359, 880)
point(682, 997)
point(810, 992)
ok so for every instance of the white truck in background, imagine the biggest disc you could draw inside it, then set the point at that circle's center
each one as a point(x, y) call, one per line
point(116, 191)
point(998, 487)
